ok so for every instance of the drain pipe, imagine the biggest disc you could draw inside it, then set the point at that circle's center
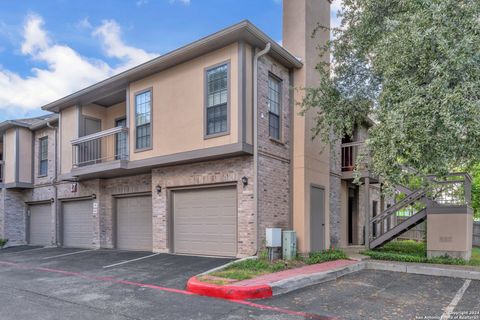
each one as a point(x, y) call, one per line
point(54, 180)
point(255, 139)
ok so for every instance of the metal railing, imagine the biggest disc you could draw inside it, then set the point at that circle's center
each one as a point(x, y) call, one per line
point(350, 154)
point(101, 147)
point(450, 192)
point(1, 171)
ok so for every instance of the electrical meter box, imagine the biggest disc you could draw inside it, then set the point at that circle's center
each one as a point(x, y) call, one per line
point(273, 237)
point(289, 245)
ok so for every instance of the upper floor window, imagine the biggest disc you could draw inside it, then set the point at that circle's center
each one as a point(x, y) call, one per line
point(274, 107)
point(143, 124)
point(43, 156)
point(217, 99)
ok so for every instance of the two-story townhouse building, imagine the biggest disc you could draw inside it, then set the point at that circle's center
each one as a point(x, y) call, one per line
point(194, 152)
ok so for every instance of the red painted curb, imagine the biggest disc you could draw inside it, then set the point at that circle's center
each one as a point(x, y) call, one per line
point(229, 292)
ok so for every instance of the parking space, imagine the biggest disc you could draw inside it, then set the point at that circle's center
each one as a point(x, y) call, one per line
point(36, 283)
point(383, 295)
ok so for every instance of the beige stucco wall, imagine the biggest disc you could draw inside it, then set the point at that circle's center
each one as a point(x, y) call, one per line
point(311, 161)
point(25, 156)
point(9, 156)
point(449, 233)
point(179, 105)
point(106, 115)
point(68, 132)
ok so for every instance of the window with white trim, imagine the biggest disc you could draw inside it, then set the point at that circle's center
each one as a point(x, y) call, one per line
point(274, 107)
point(143, 125)
point(43, 156)
point(217, 100)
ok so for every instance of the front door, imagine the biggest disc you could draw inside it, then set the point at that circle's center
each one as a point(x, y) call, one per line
point(317, 218)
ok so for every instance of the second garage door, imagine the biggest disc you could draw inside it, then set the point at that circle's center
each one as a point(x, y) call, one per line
point(40, 224)
point(134, 223)
point(77, 224)
point(205, 221)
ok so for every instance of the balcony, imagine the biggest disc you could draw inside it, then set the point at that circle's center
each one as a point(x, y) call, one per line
point(100, 152)
point(354, 160)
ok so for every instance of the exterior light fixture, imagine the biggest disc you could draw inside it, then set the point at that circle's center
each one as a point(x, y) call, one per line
point(245, 181)
point(158, 188)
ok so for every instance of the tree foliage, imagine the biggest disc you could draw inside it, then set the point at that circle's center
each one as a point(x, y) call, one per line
point(414, 67)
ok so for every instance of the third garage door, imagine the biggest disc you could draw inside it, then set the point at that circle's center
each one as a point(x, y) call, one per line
point(77, 224)
point(205, 221)
point(134, 223)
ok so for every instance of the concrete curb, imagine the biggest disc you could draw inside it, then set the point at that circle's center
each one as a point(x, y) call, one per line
point(431, 270)
point(229, 292)
point(303, 281)
point(232, 291)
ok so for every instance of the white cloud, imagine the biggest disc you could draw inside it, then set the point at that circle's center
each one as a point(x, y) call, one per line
point(184, 2)
point(66, 71)
point(141, 3)
point(110, 35)
point(84, 23)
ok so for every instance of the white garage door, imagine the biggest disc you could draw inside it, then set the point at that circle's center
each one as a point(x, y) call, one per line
point(205, 221)
point(40, 224)
point(134, 223)
point(77, 224)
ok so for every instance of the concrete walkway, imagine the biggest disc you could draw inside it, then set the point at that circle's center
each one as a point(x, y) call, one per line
point(271, 278)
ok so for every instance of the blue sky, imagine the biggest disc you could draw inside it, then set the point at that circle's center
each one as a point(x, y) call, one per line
point(51, 48)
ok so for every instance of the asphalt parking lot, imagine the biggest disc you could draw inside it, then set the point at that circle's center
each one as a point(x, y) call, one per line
point(61, 283)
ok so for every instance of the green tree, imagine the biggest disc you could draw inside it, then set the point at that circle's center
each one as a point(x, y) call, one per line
point(476, 190)
point(414, 67)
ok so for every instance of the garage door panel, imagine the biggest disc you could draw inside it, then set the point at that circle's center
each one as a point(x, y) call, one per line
point(134, 223)
point(78, 224)
point(205, 221)
point(40, 224)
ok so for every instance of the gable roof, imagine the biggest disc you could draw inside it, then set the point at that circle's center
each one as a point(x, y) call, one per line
point(243, 31)
point(29, 123)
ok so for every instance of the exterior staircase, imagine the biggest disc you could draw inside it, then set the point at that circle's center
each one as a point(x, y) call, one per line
point(449, 194)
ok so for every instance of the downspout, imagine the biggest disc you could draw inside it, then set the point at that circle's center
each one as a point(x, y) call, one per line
point(255, 139)
point(54, 181)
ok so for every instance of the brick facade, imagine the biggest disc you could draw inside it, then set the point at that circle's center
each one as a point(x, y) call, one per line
point(274, 168)
point(216, 172)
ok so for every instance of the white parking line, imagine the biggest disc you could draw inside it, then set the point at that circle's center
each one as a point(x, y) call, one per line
point(456, 299)
point(128, 261)
point(67, 254)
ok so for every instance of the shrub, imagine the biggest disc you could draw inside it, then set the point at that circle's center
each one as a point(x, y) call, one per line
point(325, 255)
point(3, 242)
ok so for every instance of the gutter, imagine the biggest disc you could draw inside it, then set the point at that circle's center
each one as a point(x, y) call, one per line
point(54, 182)
point(255, 138)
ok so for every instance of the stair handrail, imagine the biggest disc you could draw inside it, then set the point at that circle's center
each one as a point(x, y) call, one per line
point(412, 197)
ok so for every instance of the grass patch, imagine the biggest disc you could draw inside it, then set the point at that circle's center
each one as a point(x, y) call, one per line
point(412, 251)
point(251, 268)
point(3, 242)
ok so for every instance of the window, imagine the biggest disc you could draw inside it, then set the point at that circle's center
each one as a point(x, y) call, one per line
point(43, 156)
point(274, 107)
point(143, 126)
point(217, 99)
point(121, 141)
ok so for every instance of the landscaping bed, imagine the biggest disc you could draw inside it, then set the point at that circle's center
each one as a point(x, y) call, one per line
point(412, 251)
point(251, 268)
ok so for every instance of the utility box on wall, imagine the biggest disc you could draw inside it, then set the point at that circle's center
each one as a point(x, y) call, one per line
point(289, 245)
point(273, 237)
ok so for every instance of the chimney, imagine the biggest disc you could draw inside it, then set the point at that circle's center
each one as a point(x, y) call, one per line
point(300, 19)
point(311, 159)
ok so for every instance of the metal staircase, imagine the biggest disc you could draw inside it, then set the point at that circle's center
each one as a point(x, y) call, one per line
point(451, 194)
